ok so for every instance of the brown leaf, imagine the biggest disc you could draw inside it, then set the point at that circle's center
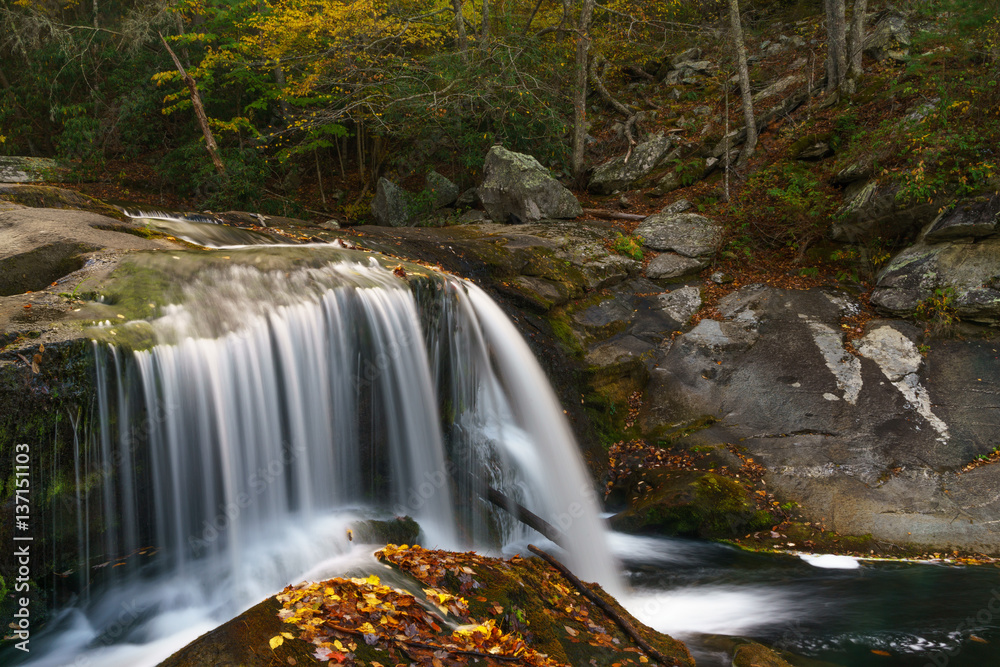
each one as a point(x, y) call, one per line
point(571, 631)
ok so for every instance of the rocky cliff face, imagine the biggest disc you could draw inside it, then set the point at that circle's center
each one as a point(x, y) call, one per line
point(871, 429)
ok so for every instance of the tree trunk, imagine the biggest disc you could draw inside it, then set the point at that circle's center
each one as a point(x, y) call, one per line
point(836, 44)
point(855, 70)
point(580, 89)
point(484, 31)
point(747, 99)
point(531, 18)
point(463, 45)
point(199, 111)
point(279, 80)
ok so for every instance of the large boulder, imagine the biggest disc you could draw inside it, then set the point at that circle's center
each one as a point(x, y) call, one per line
point(868, 438)
point(976, 218)
point(47, 196)
point(620, 174)
point(873, 211)
point(392, 206)
point(889, 38)
point(20, 169)
point(962, 275)
point(516, 187)
point(444, 192)
point(687, 234)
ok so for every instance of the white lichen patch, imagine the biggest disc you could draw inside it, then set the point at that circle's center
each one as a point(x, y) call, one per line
point(900, 361)
point(845, 367)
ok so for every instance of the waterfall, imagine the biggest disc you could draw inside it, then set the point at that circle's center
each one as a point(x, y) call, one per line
point(277, 406)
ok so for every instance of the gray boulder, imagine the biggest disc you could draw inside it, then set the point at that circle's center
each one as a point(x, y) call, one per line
point(779, 88)
point(876, 211)
point(815, 152)
point(468, 199)
point(516, 186)
point(694, 53)
point(889, 38)
point(966, 271)
point(671, 265)
point(861, 170)
point(976, 218)
point(681, 304)
point(688, 234)
point(392, 205)
point(18, 169)
point(444, 191)
point(667, 183)
point(867, 442)
point(619, 173)
point(678, 206)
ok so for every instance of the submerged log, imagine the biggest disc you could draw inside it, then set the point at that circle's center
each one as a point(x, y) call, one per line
point(516, 509)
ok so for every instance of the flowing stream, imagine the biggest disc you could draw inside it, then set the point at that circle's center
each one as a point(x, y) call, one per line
point(277, 408)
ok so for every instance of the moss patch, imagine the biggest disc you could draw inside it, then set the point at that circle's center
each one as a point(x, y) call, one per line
point(692, 503)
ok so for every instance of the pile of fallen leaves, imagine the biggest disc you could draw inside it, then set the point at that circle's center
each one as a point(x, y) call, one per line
point(555, 616)
point(626, 458)
point(337, 615)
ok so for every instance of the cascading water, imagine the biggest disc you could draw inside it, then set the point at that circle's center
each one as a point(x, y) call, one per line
point(277, 406)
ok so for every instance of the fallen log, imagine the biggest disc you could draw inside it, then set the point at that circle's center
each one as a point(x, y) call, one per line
point(614, 215)
point(622, 622)
point(516, 509)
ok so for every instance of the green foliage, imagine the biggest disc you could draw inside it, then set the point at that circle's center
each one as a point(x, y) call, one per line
point(863, 260)
point(688, 172)
point(629, 246)
point(938, 309)
point(739, 244)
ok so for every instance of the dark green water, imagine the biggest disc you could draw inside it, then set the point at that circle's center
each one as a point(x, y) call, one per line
point(918, 614)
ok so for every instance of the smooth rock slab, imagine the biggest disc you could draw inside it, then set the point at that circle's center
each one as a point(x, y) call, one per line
point(688, 234)
point(517, 186)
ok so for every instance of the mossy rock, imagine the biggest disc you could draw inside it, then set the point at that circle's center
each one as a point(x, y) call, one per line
point(692, 503)
point(757, 655)
point(401, 530)
point(805, 142)
point(243, 642)
point(46, 196)
point(40, 410)
point(521, 596)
